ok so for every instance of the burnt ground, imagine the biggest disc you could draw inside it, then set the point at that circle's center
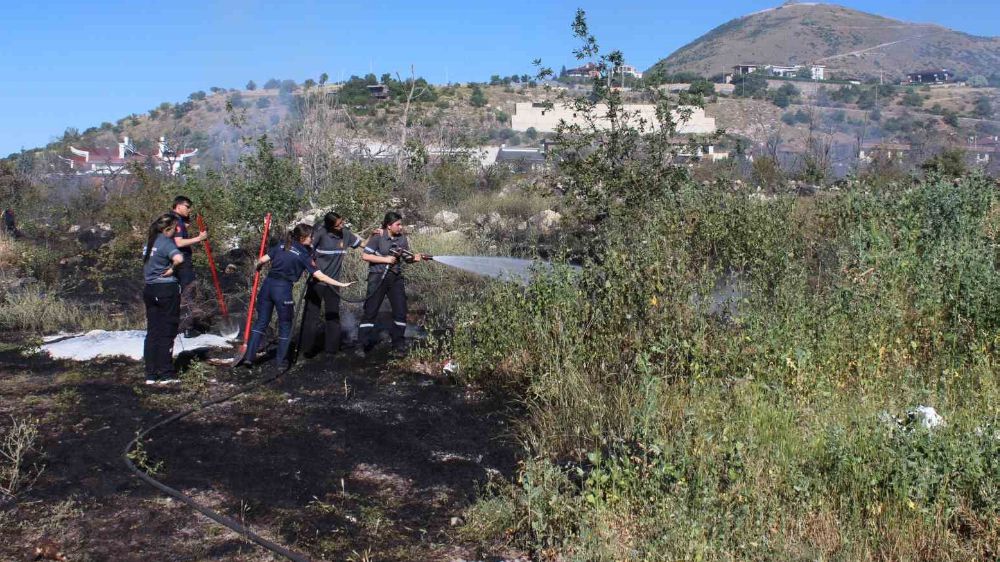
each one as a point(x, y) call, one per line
point(347, 459)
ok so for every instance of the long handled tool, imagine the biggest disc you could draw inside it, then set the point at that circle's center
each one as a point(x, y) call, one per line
point(253, 292)
point(215, 273)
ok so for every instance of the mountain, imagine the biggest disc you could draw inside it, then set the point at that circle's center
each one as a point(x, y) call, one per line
point(850, 43)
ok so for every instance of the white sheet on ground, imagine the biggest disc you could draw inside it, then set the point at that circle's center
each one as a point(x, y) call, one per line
point(128, 343)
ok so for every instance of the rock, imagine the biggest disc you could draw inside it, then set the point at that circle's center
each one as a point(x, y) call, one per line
point(806, 190)
point(103, 226)
point(446, 219)
point(73, 229)
point(311, 217)
point(926, 416)
point(94, 238)
point(429, 230)
point(491, 221)
point(73, 260)
point(546, 221)
point(455, 521)
point(450, 367)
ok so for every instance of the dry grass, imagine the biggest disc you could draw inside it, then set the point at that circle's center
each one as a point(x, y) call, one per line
point(39, 312)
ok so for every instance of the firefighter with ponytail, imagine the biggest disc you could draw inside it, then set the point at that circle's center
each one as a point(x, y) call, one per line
point(162, 297)
point(385, 252)
point(288, 260)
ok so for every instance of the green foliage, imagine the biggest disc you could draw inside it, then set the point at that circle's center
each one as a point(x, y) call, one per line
point(947, 163)
point(251, 85)
point(729, 375)
point(197, 96)
point(752, 85)
point(359, 191)
point(913, 99)
point(983, 108)
point(477, 98)
point(269, 184)
point(785, 95)
point(681, 416)
point(702, 87)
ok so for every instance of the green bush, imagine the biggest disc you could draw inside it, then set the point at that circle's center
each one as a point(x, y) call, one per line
point(764, 428)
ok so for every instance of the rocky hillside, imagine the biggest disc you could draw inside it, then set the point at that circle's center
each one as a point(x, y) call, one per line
point(850, 43)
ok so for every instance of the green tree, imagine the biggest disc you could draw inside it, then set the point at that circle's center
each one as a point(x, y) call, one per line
point(978, 81)
point(251, 85)
point(323, 79)
point(702, 87)
point(309, 83)
point(478, 98)
point(272, 84)
point(751, 85)
point(948, 163)
point(913, 99)
point(785, 95)
point(983, 107)
point(268, 184)
point(197, 96)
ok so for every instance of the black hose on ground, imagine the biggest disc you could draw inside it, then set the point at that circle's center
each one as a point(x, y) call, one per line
point(211, 514)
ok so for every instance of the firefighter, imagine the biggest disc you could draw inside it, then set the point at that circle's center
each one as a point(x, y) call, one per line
point(331, 242)
point(385, 254)
point(181, 212)
point(288, 260)
point(162, 297)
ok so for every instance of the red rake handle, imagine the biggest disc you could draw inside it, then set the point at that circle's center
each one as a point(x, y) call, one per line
point(215, 274)
point(256, 280)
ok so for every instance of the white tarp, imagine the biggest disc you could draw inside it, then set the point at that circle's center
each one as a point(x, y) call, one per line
point(128, 343)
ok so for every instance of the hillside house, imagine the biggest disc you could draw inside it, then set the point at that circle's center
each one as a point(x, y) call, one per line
point(378, 91)
point(589, 70)
point(522, 159)
point(816, 71)
point(107, 161)
point(942, 76)
point(629, 70)
point(545, 117)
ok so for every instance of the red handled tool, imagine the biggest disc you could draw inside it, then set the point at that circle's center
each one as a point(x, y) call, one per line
point(215, 274)
point(256, 282)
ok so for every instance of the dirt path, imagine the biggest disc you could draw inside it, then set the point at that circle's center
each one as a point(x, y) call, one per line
point(352, 461)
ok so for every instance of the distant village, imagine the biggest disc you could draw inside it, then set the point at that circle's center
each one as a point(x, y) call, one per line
point(542, 118)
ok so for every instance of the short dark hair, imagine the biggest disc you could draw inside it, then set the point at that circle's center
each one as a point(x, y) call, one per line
point(330, 220)
point(391, 217)
point(181, 200)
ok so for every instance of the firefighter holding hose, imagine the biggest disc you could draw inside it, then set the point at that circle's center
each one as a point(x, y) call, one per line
point(385, 253)
point(331, 242)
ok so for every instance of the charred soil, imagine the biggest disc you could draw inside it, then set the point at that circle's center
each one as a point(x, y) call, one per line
point(339, 459)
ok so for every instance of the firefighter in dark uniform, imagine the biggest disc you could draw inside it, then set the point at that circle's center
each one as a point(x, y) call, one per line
point(385, 256)
point(288, 261)
point(181, 212)
point(331, 242)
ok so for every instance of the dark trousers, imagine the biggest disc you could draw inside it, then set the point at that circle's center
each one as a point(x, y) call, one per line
point(273, 294)
point(321, 296)
point(189, 293)
point(163, 308)
point(379, 288)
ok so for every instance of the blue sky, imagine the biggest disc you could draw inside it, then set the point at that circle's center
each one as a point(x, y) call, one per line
point(76, 64)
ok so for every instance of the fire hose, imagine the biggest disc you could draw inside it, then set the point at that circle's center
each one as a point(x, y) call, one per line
point(232, 524)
